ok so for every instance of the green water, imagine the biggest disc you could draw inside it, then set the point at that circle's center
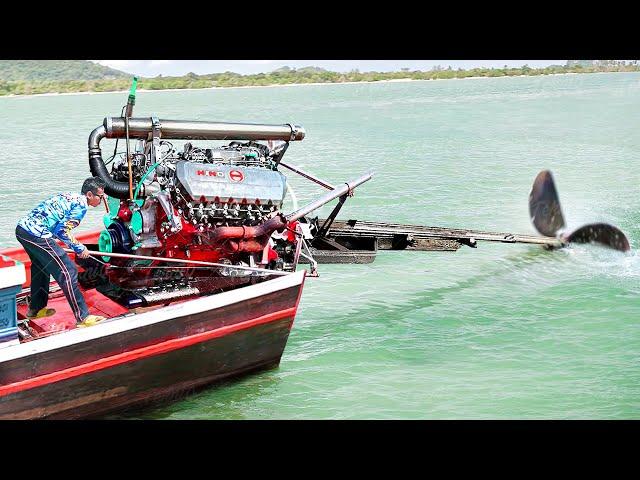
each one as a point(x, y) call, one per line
point(502, 331)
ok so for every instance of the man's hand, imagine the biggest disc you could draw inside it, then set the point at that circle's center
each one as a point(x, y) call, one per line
point(84, 253)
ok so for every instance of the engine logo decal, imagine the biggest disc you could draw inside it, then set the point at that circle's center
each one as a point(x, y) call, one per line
point(209, 173)
point(236, 176)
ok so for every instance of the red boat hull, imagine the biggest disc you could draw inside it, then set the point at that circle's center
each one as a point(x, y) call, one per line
point(141, 358)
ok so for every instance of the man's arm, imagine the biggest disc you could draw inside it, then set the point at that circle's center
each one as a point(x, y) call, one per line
point(63, 232)
point(71, 221)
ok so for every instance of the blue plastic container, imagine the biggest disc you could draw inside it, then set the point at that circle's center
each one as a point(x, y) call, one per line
point(8, 320)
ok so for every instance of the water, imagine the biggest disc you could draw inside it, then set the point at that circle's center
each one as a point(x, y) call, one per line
point(504, 331)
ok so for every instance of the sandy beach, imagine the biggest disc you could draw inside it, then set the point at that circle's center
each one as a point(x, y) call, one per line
point(55, 94)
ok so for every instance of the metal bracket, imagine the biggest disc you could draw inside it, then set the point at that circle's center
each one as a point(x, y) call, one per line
point(351, 190)
point(401, 241)
point(309, 256)
point(469, 242)
point(281, 154)
point(294, 132)
point(155, 134)
point(327, 223)
point(165, 201)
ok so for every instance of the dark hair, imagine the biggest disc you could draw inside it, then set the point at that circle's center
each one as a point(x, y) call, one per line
point(92, 184)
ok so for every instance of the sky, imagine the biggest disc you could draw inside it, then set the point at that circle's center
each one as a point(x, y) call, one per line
point(153, 68)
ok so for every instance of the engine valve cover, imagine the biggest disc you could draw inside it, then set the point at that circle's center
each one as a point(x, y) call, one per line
point(222, 183)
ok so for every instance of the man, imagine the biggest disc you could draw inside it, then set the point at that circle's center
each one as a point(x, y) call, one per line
point(56, 217)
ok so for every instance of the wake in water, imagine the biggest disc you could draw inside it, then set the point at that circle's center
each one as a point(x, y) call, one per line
point(601, 261)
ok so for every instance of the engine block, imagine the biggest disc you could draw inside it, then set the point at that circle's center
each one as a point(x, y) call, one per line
point(210, 193)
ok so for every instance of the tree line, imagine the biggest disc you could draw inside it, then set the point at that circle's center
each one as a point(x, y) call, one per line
point(285, 75)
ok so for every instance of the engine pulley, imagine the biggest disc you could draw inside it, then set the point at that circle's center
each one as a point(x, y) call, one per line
point(116, 238)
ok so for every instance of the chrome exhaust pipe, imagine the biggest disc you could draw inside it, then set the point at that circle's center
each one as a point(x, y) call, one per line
point(193, 130)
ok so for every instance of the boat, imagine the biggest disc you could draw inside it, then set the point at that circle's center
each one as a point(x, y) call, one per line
point(132, 359)
point(195, 272)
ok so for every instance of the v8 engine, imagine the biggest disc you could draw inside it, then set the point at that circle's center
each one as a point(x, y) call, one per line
point(216, 204)
point(236, 184)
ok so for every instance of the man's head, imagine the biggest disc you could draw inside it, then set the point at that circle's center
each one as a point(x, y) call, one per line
point(93, 188)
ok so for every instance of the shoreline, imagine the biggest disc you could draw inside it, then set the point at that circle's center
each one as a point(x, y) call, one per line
point(393, 80)
point(57, 94)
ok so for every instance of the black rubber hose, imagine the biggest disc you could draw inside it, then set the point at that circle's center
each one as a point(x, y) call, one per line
point(112, 187)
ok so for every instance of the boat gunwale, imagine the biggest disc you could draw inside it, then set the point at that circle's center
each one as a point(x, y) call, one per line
point(116, 325)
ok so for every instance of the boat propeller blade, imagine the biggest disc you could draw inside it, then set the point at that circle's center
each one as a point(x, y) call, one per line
point(544, 205)
point(602, 233)
point(546, 215)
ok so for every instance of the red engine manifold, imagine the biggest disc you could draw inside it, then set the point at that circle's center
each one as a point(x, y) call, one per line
point(222, 241)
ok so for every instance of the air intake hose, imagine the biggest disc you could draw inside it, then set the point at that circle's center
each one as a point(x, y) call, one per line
point(112, 187)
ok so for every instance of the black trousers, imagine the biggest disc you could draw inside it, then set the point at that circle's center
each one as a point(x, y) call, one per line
point(47, 258)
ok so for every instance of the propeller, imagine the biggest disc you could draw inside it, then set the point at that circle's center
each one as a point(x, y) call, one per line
point(603, 233)
point(546, 215)
point(544, 205)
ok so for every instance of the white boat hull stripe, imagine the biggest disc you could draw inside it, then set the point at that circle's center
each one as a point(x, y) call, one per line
point(132, 321)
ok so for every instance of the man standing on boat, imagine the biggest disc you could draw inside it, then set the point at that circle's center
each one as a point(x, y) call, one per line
point(56, 217)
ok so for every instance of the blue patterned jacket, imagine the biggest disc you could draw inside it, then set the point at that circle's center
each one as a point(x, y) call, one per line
point(57, 216)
